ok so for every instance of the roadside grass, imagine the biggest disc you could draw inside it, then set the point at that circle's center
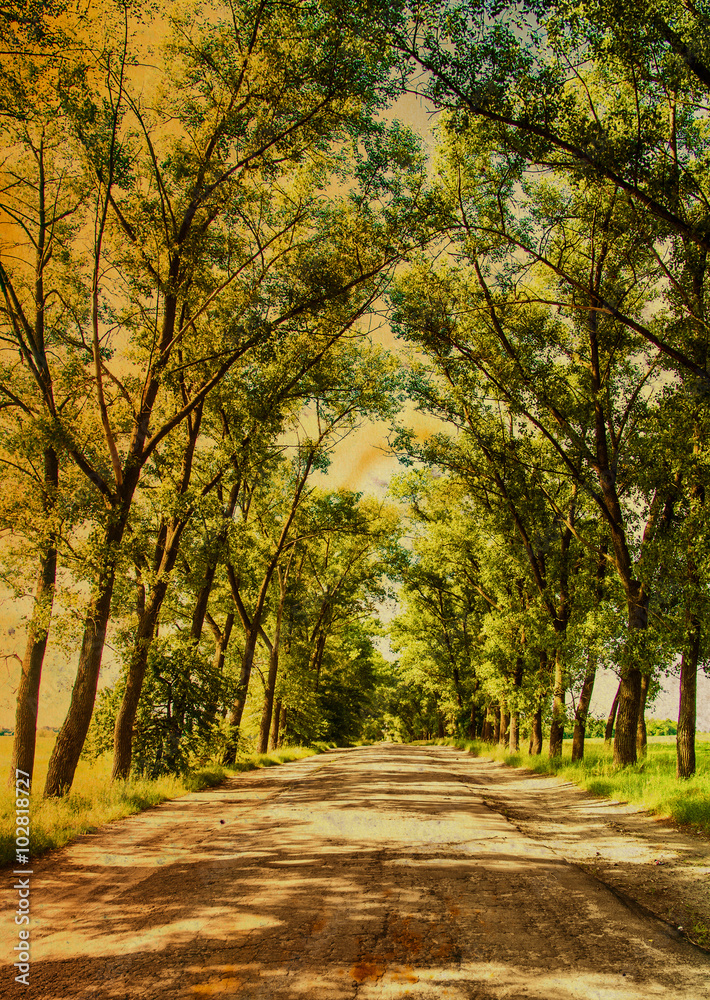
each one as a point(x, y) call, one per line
point(94, 800)
point(650, 783)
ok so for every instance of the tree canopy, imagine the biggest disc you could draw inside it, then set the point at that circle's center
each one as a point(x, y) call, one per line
point(206, 211)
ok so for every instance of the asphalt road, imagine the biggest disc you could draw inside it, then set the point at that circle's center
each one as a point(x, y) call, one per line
point(371, 873)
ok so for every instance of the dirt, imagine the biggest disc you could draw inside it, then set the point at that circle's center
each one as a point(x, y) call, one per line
point(374, 874)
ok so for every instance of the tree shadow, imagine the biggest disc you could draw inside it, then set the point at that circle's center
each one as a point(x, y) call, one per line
point(369, 876)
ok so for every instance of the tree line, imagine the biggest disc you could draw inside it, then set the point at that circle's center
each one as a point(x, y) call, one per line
point(203, 208)
point(562, 334)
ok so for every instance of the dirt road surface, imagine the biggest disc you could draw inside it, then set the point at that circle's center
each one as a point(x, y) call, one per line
point(377, 873)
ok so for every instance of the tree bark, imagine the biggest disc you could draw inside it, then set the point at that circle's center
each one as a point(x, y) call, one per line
point(25, 738)
point(253, 628)
point(282, 726)
point(504, 722)
point(585, 695)
point(167, 549)
point(580, 717)
point(71, 737)
point(273, 666)
point(126, 716)
point(487, 731)
point(630, 688)
point(235, 718)
point(222, 642)
point(514, 733)
point(318, 657)
point(33, 348)
point(685, 739)
point(557, 727)
point(536, 733)
point(514, 737)
point(641, 735)
point(275, 725)
point(265, 726)
point(611, 720)
point(472, 724)
point(440, 728)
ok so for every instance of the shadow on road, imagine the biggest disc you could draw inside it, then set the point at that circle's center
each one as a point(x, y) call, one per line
point(379, 873)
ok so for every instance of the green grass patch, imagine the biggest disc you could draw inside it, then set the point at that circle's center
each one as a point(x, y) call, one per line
point(650, 783)
point(94, 800)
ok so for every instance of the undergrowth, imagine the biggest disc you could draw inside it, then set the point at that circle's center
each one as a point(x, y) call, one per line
point(650, 783)
point(95, 800)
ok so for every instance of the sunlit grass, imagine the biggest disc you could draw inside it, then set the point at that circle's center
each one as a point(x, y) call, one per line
point(651, 783)
point(95, 801)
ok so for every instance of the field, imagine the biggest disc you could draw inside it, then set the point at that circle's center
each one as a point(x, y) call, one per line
point(94, 800)
point(650, 783)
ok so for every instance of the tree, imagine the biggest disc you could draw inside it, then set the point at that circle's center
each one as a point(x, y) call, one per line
point(42, 202)
point(215, 223)
point(347, 555)
point(580, 376)
point(357, 384)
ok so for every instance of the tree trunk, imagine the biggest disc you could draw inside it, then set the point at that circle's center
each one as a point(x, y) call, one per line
point(496, 723)
point(252, 628)
point(268, 699)
point(630, 688)
point(25, 738)
point(487, 730)
point(557, 727)
point(167, 549)
point(441, 730)
point(685, 739)
point(504, 722)
point(275, 725)
point(611, 720)
point(282, 726)
point(536, 733)
point(235, 718)
point(580, 717)
point(203, 595)
point(641, 735)
point(217, 545)
point(627, 718)
point(71, 737)
point(514, 739)
point(637, 601)
point(126, 717)
point(318, 657)
point(221, 643)
point(585, 695)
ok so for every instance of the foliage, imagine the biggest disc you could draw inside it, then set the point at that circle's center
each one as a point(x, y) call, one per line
point(178, 726)
point(206, 208)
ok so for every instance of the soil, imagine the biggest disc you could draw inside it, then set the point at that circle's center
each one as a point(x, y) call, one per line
point(376, 873)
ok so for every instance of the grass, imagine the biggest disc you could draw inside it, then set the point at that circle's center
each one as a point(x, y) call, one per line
point(94, 800)
point(650, 783)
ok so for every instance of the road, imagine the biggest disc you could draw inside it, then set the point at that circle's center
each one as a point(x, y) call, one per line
point(373, 873)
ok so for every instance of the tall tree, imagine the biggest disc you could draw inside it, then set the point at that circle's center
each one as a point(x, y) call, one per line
point(208, 215)
point(42, 306)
